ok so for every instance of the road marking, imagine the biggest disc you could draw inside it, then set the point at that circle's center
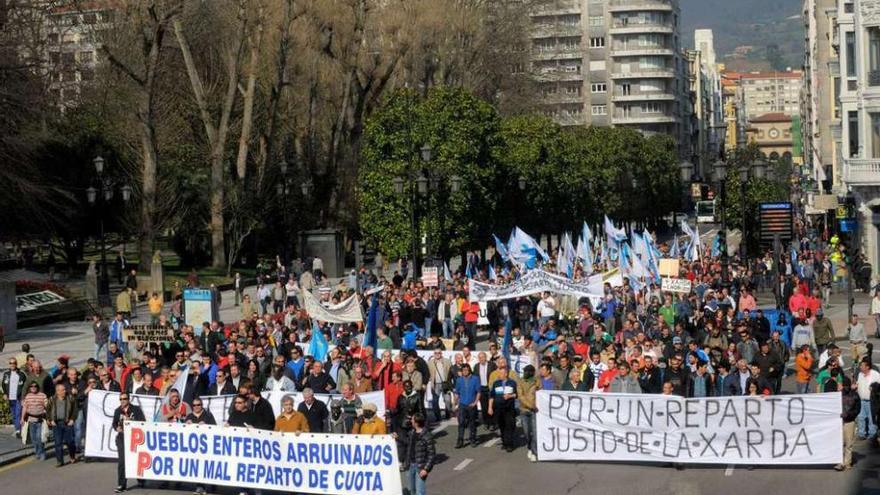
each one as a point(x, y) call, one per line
point(442, 426)
point(729, 470)
point(17, 464)
point(463, 464)
point(492, 442)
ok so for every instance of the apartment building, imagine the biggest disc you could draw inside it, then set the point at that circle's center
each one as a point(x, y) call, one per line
point(858, 35)
point(612, 62)
point(72, 33)
point(820, 113)
point(771, 92)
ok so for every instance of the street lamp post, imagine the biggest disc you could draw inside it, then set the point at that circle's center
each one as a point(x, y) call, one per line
point(687, 172)
point(720, 176)
point(102, 197)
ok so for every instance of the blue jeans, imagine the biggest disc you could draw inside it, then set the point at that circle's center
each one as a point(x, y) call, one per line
point(78, 432)
point(15, 406)
point(98, 349)
point(64, 436)
point(529, 430)
point(35, 432)
point(414, 484)
point(867, 428)
point(436, 393)
point(448, 328)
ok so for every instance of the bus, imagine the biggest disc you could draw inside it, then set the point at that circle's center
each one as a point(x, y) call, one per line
point(706, 212)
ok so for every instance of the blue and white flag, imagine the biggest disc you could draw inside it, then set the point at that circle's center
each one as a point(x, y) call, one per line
point(501, 249)
point(523, 250)
point(492, 275)
point(371, 336)
point(716, 246)
point(613, 233)
point(318, 346)
point(447, 275)
point(674, 248)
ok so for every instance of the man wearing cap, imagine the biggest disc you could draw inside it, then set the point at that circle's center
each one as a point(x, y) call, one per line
point(823, 330)
point(369, 423)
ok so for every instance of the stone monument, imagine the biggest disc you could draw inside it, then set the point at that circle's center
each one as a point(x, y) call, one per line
point(92, 284)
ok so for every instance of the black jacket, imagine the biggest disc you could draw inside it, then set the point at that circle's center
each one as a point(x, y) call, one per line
point(316, 416)
point(227, 389)
point(205, 419)
point(420, 450)
point(318, 383)
point(852, 405)
point(650, 381)
point(134, 413)
point(680, 379)
point(264, 416)
point(770, 360)
point(21, 380)
point(241, 419)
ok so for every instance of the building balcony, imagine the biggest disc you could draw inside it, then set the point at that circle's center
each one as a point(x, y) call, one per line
point(635, 51)
point(644, 119)
point(561, 98)
point(643, 97)
point(559, 75)
point(644, 74)
point(644, 28)
point(640, 6)
point(558, 53)
point(862, 171)
point(555, 30)
point(555, 7)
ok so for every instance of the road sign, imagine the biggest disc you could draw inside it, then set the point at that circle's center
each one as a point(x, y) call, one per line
point(848, 225)
point(776, 219)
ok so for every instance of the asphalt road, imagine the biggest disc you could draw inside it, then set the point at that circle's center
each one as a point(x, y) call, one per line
point(488, 469)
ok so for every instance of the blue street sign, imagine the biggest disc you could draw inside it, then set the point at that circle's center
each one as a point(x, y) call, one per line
point(848, 225)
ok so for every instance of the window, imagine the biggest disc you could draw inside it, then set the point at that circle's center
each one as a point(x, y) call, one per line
point(850, 54)
point(852, 120)
point(599, 110)
point(573, 89)
point(570, 43)
point(86, 57)
point(874, 56)
point(598, 87)
point(652, 107)
point(626, 89)
point(848, 7)
point(875, 135)
point(597, 21)
point(597, 42)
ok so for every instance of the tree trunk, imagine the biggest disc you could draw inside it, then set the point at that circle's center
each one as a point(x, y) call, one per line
point(150, 152)
point(248, 112)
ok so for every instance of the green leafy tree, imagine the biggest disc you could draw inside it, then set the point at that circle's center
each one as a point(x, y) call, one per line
point(773, 187)
point(461, 131)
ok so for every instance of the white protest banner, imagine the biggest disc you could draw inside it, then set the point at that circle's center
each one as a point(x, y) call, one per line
point(101, 438)
point(680, 285)
point(247, 458)
point(430, 276)
point(534, 282)
point(347, 311)
point(784, 429)
point(100, 435)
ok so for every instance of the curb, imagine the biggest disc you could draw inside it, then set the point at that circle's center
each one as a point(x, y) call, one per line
point(14, 456)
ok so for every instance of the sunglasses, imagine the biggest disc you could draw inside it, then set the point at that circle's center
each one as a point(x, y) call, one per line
point(123, 399)
point(197, 404)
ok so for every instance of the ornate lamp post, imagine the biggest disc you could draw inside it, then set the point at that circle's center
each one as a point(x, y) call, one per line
point(100, 197)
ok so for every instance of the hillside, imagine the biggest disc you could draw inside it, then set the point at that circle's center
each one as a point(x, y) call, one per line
point(773, 28)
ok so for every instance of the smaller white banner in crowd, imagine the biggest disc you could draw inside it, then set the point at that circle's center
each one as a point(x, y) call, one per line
point(101, 437)
point(680, 285)
point(430, 276)
point(347, 311)
point(262, 460)
point(536, 282)
point(782, 430)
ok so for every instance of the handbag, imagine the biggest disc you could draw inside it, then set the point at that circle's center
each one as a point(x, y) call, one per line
point(44, 432)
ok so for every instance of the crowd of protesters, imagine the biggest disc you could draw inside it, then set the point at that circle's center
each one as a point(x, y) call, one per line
point(712, 341)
